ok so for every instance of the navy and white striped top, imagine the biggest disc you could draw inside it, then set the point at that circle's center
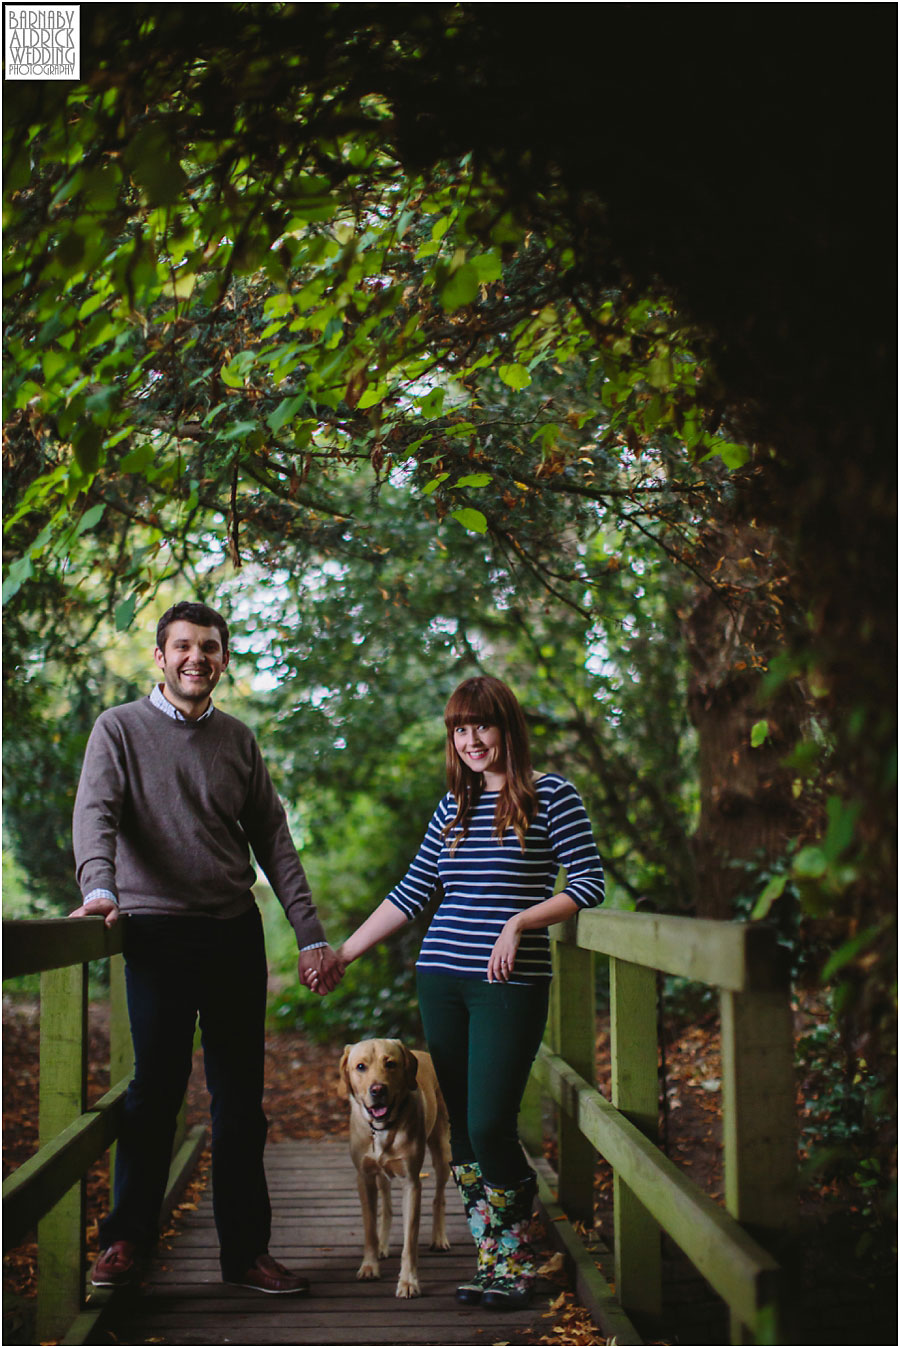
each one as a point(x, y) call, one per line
point(485, 883)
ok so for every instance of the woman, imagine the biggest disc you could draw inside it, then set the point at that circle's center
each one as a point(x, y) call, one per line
point(495, 843)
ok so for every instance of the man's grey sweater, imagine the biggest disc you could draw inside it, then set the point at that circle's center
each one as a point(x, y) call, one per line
point(167, 811)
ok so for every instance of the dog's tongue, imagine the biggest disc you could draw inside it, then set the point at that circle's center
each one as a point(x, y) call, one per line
point(378, 1111)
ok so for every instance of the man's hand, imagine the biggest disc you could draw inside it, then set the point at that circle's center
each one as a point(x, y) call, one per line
point(320, 969)
point(104, 908)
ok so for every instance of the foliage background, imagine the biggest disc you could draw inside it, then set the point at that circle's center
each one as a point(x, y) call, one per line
point(423, 342)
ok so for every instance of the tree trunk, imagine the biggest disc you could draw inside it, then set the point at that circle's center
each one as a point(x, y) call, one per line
point(747, 805)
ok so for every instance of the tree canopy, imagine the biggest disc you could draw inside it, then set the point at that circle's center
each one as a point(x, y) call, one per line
point(453, 335)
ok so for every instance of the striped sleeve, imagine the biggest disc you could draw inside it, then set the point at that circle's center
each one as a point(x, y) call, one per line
point(572, 841)
point(417, 887)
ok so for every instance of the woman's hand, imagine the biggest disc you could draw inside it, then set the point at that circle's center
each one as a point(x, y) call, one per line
point(503, 956)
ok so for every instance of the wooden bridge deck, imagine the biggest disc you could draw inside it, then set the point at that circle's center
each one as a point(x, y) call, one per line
point(316, 1229)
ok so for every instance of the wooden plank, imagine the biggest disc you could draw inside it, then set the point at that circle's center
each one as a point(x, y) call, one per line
point(635, 1092)
point(733, 955)
point(572, 1018)
point(32, 945)
point(62, 1096)
point(736, 1266)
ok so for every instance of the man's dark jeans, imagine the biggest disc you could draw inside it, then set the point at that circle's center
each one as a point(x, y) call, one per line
point(175, 969)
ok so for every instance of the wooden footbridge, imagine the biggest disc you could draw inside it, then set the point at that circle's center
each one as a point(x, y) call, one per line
point(316, 1213)
point(317, 1229)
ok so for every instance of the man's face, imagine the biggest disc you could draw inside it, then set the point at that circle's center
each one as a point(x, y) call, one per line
point(192, 664)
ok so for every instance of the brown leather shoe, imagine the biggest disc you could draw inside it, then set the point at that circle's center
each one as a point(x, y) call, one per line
point(265, 1274)
point(115, 1266)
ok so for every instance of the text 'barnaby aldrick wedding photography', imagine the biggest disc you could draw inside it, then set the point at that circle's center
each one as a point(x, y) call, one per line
point(42, 43)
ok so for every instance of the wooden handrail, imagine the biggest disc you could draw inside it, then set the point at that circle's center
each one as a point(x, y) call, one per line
point(31, 946)
point(734, 1249)
point(32, 1190)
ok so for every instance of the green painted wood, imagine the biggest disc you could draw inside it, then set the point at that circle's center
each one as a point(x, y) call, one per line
point(733, 955)
point(759, 1113)
point(572, 1036)
point(40, 1182)
point(63, 1089)
point(184, 1161)
point(83, 1328)
point(31, 945)
point(590, 1286)
point(121, 1049)
point(531, 1117)
point(635, 1092)
point(735, 1265)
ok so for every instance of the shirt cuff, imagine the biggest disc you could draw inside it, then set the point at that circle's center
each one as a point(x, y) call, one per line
point(100, 894)
point(316, 945)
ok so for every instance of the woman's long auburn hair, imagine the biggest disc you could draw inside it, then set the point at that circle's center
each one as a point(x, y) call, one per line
point(487, 701)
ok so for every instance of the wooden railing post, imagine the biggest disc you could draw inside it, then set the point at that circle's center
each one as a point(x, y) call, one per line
point(573, 1037)
point(63, 1088)
point(635, 1091)
point(121, 1050)
point(759, 1123)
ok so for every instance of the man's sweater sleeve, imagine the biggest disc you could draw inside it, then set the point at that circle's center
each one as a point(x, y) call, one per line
point(265, 823)
point(98, 808)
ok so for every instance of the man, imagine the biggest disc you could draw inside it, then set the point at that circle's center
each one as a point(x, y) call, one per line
point(172, 796)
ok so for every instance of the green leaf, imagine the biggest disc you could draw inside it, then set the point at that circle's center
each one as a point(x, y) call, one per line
point(810, 863)
point(20, 571)
point(473, 520)
point(125, 612)
point(759, 734)
point(773, 890)
point(433, 405)
point(372, 395)
point(460, 289)
point(156, 169)
point(732, 455)
point(842, 819)
point(89, 519)
point(286, 410)
point(515, 375)
point(488, 266)
point(847, 952)
point(88, 445)
point(474, 480)
point(435, 482)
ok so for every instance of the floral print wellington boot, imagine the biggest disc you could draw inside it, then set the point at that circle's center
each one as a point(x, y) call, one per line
point(470, 1184)
point(514, 1271)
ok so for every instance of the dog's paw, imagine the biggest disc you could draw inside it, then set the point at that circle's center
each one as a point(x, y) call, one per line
point(408, 1287)
point(384, 1250)
point(440, 1243)
point(368, 1271)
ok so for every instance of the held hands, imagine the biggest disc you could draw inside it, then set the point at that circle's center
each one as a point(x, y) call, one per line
point(104, 908)
point(503, 956)
point(320, 970)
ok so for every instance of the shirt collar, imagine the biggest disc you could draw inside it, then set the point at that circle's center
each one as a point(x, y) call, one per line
point(162, 703)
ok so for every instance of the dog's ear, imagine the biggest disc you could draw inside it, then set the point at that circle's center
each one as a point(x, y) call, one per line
point(411, 1067)
point(344, 1083)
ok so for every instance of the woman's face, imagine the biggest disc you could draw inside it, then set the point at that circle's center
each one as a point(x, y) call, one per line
point(481, 748)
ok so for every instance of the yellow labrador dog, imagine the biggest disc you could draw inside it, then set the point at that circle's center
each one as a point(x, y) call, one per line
point(396, 1110)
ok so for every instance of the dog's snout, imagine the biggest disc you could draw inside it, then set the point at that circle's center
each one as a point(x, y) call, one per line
point(378, 1090)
